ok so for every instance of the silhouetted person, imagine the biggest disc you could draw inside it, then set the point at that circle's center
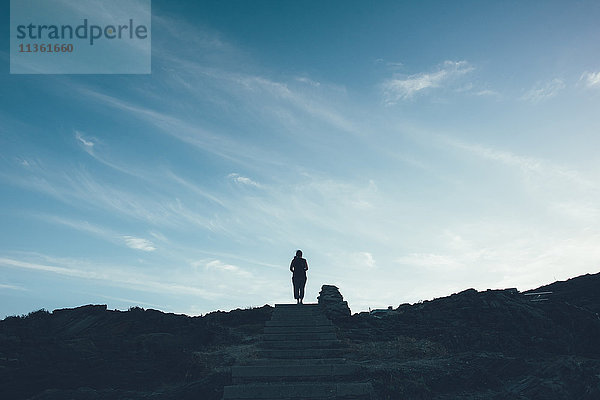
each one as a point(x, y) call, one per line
point(299, 266)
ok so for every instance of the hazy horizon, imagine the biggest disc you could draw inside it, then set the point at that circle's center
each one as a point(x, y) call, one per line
point(410, 149)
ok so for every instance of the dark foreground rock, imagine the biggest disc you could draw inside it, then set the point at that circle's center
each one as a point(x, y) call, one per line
point(496, 344)
point(332, 303)
point(90, 352)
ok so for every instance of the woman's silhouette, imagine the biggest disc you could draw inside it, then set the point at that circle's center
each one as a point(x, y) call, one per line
point(299, 266)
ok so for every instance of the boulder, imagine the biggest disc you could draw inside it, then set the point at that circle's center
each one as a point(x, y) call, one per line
point(331, 301)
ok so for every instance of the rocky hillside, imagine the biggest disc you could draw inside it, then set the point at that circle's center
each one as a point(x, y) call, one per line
point(496, 344)
point(93, 353)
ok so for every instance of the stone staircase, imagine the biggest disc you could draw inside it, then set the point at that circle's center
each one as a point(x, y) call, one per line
point(300, 358)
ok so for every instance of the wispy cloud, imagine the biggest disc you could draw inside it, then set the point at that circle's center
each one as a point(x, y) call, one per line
point(580, 211)
point(366, 259)
point(139, 243)
point(524, 163)
point(111, 275)
point(429, 261)
point(195, 189)
point(87, 143)
point(591, 79)
point(83, 190)
point(102, 232)
point(82, 226)
point(12, 287)
point(404, 88)
point(544, 91)
point(308, 81)
point(237, 178)
point(255, 91)
point(487, 92)
point(175, 126)
point(156, 176)
point(218, 265)
point(272, 91)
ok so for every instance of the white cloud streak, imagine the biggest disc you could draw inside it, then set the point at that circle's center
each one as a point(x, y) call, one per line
point(139, 243)
point(544, 91)
point(113, 276)
point(219, 266)
point(179, 128)
point(87, 143)
point(524, 163)
point(12, 287)
point(591, 79)
point(237, 178)
point(405, 88)
point(366, 259)
point(81, 189)
point(104, 233)
point(429, 261)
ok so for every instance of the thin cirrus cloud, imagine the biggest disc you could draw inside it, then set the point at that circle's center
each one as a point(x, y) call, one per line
point(87, 143)
point(139, 243)
point(184, 130)
point(81, 189)
point(428, 260)
point(405, 88)
point(524, 163)
point(256, 91)
point(366, 259)
point(544, 91)
point(113, 276)
point(150, 174)
point(11, 287)
point(218, 265)
point(109, 235)
point(591, 79)
point(237, 178)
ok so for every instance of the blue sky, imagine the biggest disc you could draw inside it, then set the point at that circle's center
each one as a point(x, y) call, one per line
point(410, 149)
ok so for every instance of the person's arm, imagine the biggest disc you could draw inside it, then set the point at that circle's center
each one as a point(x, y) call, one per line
point(292, 266)
point(305, 265)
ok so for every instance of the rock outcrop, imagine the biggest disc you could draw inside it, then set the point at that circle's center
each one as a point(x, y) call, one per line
point(332, 303)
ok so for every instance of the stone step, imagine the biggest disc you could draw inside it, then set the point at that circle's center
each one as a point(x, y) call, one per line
point(294, 306)
point(319, 320)
point(286, 317)
point(296, 316)
point(303, 329)
point(305, 311)
point(298, 391)
point(299, 335)
point(301, 353)
point(293, 362)
point(315, 311)
point(293, 372)
point(300, 344)
point(298, 310)
point(299, 322)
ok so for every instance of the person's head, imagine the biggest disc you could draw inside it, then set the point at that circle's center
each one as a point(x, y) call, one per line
point(298, 253)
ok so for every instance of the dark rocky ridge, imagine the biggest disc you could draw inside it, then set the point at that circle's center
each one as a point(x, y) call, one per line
point(495, 344)
point(90, 352)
